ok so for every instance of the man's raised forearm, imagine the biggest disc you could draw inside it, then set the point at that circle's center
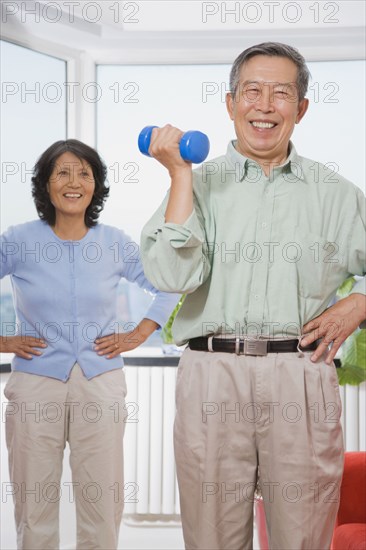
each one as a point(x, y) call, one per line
point(180, 204)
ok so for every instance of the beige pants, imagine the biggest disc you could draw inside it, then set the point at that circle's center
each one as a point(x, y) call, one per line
point(44, 413)
point(235, 413)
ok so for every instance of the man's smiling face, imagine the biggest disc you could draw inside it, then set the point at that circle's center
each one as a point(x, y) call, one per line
point(266, 108)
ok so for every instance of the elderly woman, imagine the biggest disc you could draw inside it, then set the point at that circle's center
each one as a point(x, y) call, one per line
point(67, 383)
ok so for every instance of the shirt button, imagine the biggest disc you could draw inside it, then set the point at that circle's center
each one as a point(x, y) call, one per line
point(256, 296)
point(264, 224)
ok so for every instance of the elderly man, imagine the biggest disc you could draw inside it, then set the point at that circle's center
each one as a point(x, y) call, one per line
point(259, 239)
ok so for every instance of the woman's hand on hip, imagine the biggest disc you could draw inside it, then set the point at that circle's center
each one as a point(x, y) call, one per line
point(120, 342)
point(23, 346)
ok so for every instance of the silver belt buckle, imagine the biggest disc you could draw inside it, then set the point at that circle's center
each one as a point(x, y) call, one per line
point(255, 347)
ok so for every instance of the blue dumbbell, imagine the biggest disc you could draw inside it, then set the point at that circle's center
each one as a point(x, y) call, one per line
point(194, 146)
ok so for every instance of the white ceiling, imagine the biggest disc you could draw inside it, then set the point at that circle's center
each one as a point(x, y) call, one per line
point(112, 31)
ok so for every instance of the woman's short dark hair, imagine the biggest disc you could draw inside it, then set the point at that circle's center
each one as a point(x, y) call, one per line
point(43, 170)
point(272, 49)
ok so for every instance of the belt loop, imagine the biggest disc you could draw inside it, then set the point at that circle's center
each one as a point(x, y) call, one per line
point(237, 345)
point(300, 354)
point(209, 343)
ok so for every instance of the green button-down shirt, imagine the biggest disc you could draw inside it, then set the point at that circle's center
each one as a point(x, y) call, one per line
point(259, 256)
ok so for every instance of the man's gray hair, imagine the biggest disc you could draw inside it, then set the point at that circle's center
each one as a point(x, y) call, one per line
point(272, 49)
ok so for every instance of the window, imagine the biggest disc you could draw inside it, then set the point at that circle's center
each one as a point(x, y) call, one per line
point(33, 116)
point(132, 97)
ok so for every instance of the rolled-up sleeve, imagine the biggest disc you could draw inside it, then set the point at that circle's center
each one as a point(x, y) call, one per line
point(173, 255)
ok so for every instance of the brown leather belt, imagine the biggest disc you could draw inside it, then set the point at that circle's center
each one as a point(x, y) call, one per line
point(248, 346)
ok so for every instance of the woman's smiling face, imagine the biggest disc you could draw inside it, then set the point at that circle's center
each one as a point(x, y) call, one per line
point(71, 185)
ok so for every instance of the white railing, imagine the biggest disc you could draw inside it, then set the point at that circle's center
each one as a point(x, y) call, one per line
point(148, 443)
point(354, 416)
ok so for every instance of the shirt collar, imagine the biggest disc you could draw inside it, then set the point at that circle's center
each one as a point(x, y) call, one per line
point(292, 163)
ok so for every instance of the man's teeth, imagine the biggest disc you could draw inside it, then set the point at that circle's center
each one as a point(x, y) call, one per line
point(73, 195)
point(263, 124)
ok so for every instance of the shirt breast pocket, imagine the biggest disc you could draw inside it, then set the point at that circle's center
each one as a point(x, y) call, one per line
point(316, 265)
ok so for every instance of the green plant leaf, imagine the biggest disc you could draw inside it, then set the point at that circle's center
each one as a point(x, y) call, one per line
point(166, 331)
point(353, 359)
point(346, 287)
point(351, 375)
